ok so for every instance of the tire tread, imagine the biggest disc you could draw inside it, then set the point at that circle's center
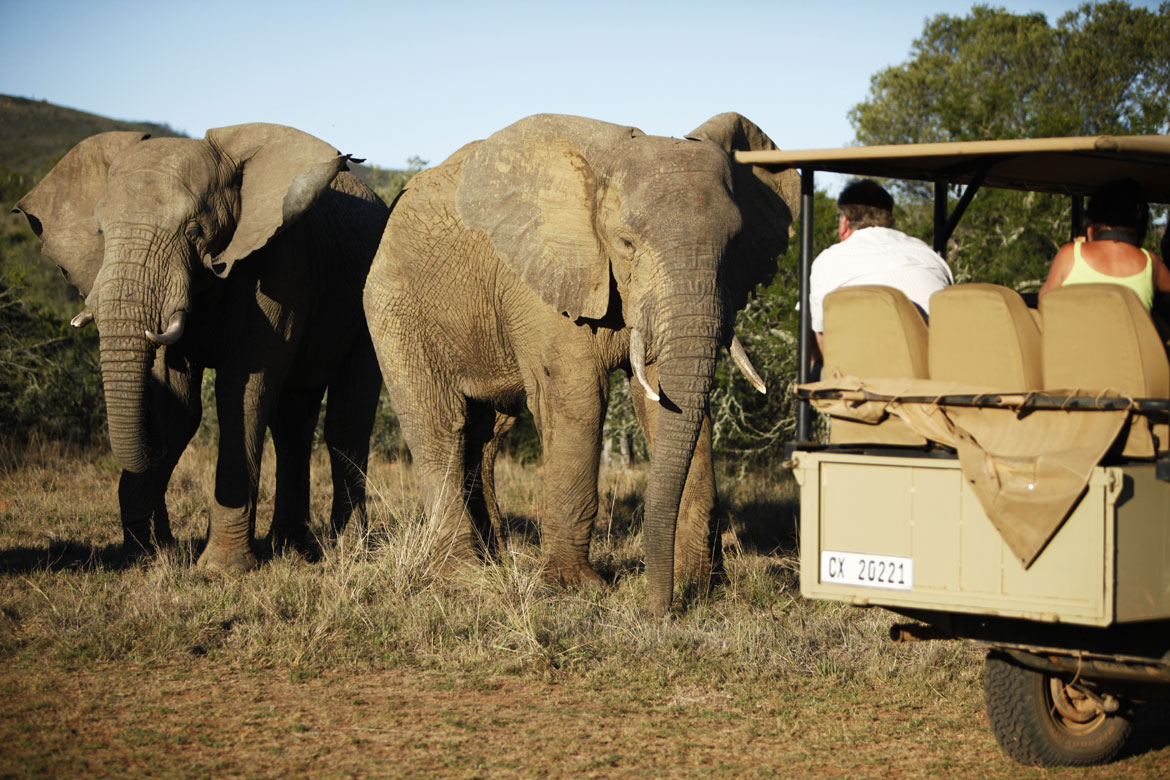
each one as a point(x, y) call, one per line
point(1015, 708)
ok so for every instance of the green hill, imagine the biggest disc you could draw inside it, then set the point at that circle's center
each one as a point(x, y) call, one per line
point(34, 133)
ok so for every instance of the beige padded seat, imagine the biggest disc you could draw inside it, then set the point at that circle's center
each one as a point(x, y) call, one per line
point(873, 331)
point(1100, 337)
point(985, 335)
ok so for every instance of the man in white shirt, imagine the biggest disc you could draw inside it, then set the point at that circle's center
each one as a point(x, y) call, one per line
point(871, 251)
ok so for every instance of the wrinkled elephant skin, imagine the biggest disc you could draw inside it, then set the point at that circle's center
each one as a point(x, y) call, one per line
point(246, 252)
point(526, 268)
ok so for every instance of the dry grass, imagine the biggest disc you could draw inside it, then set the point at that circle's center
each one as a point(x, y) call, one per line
point(378, 598)
point(376, 608)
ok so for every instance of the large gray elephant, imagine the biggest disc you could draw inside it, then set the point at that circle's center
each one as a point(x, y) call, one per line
point(530, 265)
point(150, 231)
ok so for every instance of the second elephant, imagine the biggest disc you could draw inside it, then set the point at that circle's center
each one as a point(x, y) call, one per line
point(150, 231)
point(526, 268)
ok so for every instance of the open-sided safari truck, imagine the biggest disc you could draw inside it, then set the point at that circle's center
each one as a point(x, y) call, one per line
point(1002, 474)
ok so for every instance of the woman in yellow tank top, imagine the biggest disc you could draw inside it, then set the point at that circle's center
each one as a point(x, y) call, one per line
point(1112, 253)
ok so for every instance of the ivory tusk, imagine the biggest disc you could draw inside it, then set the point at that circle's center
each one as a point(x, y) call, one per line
point(744, 364)
point(638, 363)
point(174, 330)
point(83, 318)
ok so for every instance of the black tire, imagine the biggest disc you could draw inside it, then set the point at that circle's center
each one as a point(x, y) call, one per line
point(1040, 721)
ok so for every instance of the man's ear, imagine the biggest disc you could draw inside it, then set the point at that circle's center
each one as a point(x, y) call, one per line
point(844, 229)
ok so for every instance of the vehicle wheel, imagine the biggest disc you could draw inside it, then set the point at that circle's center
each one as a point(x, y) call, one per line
point(1041, 720)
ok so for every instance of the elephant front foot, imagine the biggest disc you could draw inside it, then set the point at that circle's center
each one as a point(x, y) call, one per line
point(229, 560)
point(132, 553)
point(163, 538)
point(572, 574)
point(138, 544)
point(301, 541)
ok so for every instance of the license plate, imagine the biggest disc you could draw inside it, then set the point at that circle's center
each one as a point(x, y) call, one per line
point(870, 571)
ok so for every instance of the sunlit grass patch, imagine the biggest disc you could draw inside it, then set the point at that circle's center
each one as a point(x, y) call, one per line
point(380, 597)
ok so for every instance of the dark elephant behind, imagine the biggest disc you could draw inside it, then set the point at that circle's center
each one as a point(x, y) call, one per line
point(151, 231)
point(526, 268)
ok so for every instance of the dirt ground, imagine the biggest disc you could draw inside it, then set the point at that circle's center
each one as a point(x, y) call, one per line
point(196, 720)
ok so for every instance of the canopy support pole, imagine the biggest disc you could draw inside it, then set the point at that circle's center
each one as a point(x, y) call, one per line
point(1077, 218)
point(940, 219)
point(944, 225)
point(803, 410)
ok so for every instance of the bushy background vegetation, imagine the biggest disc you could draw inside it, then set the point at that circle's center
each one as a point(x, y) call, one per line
point(1101, 69)
point(989, 74)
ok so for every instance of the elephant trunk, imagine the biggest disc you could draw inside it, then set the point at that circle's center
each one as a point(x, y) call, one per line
point(127, 311)
point(689, 328)
point(126, 360)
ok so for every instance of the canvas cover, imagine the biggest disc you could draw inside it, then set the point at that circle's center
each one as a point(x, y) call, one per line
point(1027, 468)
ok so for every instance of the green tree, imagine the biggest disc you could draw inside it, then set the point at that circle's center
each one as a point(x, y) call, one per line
point(1102, 69)
point(50, 385)
point(388, 183)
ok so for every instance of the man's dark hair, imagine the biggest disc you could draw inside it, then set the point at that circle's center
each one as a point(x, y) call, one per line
point(1120, 204)
point(865, 203)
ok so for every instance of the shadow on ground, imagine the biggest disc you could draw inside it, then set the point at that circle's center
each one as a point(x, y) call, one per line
point(767, 527)
point(1151, 729)
point(64, 556)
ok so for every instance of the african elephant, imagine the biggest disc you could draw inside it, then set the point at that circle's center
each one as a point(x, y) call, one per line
point(530, 265)
point(150, 231)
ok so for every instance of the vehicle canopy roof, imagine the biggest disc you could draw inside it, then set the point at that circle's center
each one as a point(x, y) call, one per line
point(1070, 166)
point(1073, 166)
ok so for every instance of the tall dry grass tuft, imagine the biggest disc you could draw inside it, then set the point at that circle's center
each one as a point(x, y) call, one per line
point(380, 596)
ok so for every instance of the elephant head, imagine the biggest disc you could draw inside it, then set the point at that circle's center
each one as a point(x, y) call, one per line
point(139, 224)
point(664, 237)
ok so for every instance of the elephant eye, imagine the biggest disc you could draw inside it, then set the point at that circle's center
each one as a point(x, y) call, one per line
point(65, 274)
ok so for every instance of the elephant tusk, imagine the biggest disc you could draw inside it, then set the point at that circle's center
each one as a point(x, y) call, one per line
point(744, 364)
point(174, 330)
point(83, 318)
point(638, 363)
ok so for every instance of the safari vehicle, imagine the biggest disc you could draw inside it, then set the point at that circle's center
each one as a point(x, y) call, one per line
point(1001, 475)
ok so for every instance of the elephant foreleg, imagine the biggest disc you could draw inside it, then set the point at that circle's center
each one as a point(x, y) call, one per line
point(243, 401)
point(293, 424)
point(349, 419)
point(174, 409)
point(570, 433)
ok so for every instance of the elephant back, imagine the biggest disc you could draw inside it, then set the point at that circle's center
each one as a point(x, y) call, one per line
point(357, 216)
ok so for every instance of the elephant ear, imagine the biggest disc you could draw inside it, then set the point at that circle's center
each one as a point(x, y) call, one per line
point(60, 208)
point(533, 187)
point(768, 203)
point(284, 171)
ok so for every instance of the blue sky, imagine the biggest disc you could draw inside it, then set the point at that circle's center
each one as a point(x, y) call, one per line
point(391, 80)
